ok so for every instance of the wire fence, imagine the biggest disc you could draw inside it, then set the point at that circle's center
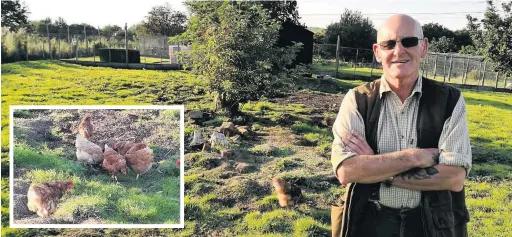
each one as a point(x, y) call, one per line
point(23, 46)
point(358, 63)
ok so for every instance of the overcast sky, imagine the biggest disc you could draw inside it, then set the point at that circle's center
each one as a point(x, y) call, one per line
point(314, 13)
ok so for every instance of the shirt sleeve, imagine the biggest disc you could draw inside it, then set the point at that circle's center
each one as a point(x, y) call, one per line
point(454, 141)
point(348, 119)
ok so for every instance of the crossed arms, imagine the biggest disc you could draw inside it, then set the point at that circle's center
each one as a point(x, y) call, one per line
point(442, 168)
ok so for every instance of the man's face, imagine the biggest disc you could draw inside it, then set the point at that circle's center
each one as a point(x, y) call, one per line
point(400, 62)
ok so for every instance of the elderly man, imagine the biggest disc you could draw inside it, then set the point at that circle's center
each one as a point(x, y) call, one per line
point(401, 145)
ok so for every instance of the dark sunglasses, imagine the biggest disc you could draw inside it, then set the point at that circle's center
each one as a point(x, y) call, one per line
point(407, 42)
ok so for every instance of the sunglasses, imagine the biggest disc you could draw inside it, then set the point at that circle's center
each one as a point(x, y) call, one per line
point(407, 42)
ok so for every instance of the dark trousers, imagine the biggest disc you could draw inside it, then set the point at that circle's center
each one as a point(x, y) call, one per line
point(390, 222)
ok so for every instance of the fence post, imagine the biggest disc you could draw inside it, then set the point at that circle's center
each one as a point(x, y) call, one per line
point(69, 39)
point(126, 41)
point(435, 68)
point(49, 42)
point(26, 48)
point(355, 64)
point(465, 77)
point(76, 49)
point(99, 35)
point(337, 56)
point(444, 67)
point(450, 69)
point(58, 42)
point(497, 73)
point(483, 74)
point(43, 50)
point(505, 83)
point(86, 43)
point(373, 62)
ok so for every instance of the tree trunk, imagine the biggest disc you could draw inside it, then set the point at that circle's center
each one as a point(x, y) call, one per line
point(223, 105)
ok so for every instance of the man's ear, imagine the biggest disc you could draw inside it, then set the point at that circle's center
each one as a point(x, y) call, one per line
point(424, 48)
point(376, 52)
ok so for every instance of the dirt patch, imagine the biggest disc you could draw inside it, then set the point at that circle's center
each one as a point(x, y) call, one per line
point(321, 103)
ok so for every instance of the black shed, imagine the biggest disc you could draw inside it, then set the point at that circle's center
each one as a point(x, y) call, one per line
point(291, 32)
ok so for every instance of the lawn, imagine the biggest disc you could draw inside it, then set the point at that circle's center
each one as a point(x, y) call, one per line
point(290, 139)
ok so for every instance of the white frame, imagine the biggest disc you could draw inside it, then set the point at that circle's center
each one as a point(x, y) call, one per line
point(45, 107)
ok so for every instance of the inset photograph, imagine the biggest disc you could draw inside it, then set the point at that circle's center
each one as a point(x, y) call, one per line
point(97, 166)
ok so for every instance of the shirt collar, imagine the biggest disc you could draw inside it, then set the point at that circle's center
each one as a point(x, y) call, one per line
point(384, 86)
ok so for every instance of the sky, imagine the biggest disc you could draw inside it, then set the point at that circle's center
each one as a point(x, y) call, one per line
point(314, 13)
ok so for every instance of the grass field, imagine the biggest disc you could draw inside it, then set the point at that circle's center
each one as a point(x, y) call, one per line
point(235, 197)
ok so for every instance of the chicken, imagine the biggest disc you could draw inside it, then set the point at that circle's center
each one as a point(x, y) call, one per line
point(287, 194)
point(85, 127)
point(43, 198)
point(113, 162)
point(139, 158)
point(88, 152)
point(123, 147)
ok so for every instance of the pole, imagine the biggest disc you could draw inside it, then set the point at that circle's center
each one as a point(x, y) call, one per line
point(435, 68)
point(76, 49)
point(450, 69)
point(49, 42)
point(126, 40)
point(373, 62)
point(483, 74)
point(464, 78)
point(444, 68)
point(497, 73)
point(337, 56)
point(69, 39)
point(355, 64)
point(86, 43)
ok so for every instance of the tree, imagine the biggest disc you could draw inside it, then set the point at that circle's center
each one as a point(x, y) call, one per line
point(111, 30)
point(235, 52)
point(14, 15)
point(492, 35)
point(163, 20)
point(354, 30)
point(442, 45)
point(283, 11)
point(433, 31)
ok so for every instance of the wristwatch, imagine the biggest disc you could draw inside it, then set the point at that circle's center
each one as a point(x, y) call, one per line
point(389, 181)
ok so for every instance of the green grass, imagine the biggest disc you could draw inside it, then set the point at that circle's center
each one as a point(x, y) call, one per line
point(132, 201)
point(243, 205)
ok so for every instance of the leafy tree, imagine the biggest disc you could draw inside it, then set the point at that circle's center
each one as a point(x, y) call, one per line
point(14, 15)
point(235, 52)
point(492, 35)
point(163, 20)
point(442, 45)
point(433, 31)
point(283, 11)
point(354, 30)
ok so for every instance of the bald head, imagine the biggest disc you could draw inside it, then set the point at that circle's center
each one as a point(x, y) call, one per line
point(397, 26)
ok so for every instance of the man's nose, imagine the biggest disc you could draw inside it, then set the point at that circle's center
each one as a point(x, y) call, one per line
point(399, 49)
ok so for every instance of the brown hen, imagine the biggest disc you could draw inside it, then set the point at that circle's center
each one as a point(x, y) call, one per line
point(113, 162)
point(43, 198)
point(139, 158)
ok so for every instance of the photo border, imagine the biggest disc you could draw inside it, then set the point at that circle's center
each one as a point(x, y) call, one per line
point(182, 166)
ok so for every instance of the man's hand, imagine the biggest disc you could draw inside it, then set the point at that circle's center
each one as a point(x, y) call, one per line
point(357, 144)
point(425, 157)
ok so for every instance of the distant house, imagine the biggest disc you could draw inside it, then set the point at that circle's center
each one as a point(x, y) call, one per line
point(292, 32)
